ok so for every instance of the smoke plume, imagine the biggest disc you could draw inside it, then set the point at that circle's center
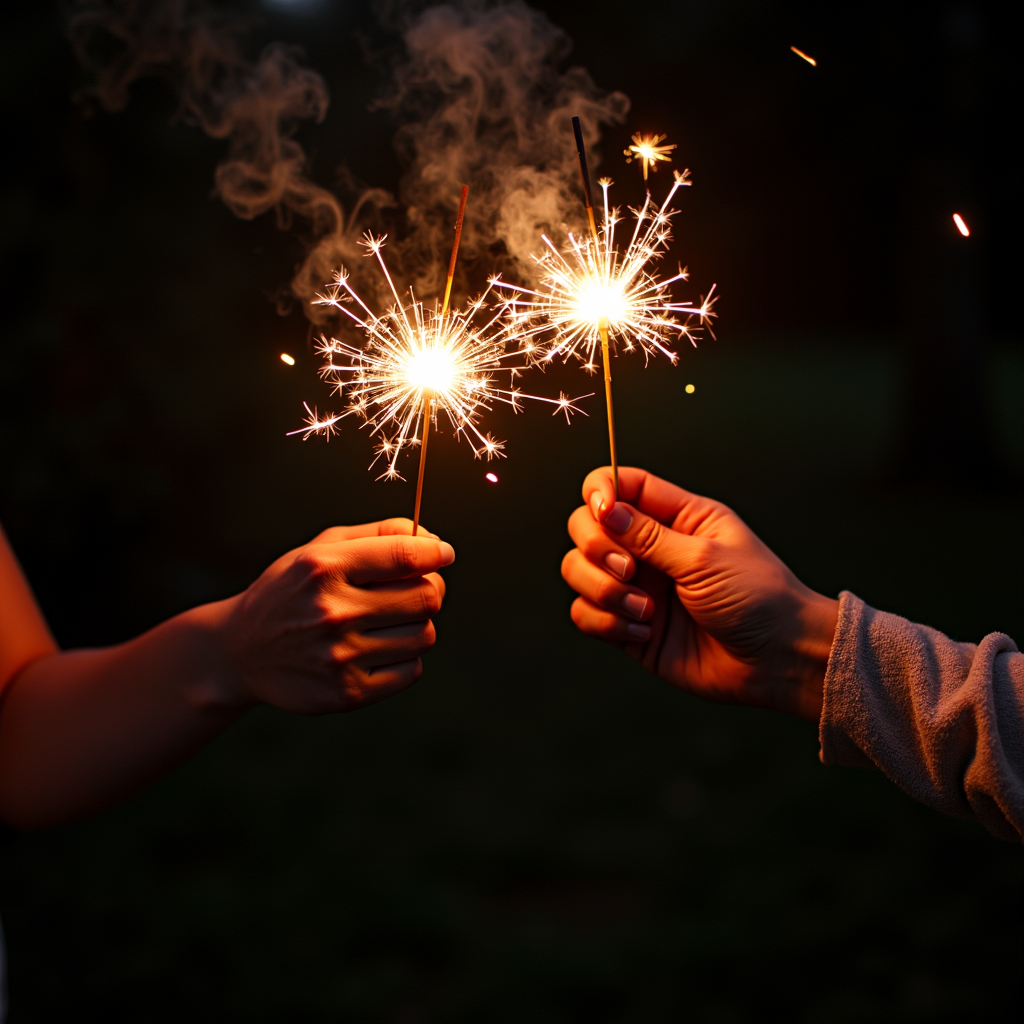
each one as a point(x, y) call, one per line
point(478, 92)
point(482, 101)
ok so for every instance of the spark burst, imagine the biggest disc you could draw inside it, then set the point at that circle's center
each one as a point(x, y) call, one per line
point(647, 150)
point(418, 362)
point(590, 287)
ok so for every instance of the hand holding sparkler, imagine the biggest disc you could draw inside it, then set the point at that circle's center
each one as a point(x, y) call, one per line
point(331, 626)
point(688, 590)
point(338, 623)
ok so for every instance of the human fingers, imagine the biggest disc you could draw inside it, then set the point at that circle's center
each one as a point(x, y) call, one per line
point(403, 527)
point(658, 498)
point(604, 591)
point(393, 644)
point(394, 602)
point(380, 528)
point(384, 681)
point(678, 555)
point(370, 559)
point(598, 546)
point(605, 625)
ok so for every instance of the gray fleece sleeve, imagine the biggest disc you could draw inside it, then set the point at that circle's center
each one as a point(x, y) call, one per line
point(943, 720)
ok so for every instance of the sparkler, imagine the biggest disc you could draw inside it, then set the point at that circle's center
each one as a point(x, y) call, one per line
point(647, 150)
point(417, 364)
point(591, 292)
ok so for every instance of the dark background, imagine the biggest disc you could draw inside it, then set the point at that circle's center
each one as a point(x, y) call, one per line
point(538, 832)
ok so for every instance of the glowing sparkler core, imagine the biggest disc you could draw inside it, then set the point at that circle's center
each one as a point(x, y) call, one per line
point(417, 366)
point(588, 286)
point(430, 369)
point(646, 149)
point(602, 301)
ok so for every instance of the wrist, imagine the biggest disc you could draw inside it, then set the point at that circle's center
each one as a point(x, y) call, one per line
point(810, 647)
point(215, 684)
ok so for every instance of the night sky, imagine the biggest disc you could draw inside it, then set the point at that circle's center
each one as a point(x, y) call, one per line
point(538, 831)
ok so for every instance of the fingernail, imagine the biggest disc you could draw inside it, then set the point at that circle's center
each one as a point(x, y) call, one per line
point(447, 553)
point(596, 504)
point(618, 519)
point(618, 564)
point(635, 605)
point(638, 631)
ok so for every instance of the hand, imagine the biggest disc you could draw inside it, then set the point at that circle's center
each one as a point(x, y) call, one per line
point(338, 623)
point(686, 588)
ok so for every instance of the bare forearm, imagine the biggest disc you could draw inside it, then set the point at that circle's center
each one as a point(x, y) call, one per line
point(81, 730)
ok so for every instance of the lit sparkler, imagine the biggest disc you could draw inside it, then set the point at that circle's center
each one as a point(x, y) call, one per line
point(417, 364)
point(647, 150)
point(591, 292)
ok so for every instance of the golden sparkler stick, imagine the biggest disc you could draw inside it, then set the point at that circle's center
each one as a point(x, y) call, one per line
point(603, 326)
point(428, 397)
point(455, 248)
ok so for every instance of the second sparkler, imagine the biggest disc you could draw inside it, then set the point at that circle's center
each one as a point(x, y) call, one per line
point(590, 292)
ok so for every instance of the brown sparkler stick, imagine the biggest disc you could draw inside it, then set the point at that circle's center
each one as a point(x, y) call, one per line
point(603, 326)
point(428, 398)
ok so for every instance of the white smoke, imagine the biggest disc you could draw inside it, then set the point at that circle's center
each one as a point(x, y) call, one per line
point(478, 91)
point(483, 101)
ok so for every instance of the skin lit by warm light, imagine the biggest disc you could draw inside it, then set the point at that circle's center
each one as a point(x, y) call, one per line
point(647, 149)
point(493, 477)
point(690, 389)
point(589, 287)
point(415, 359)
point(800, 53)
point(287, 359)
point(961, 226)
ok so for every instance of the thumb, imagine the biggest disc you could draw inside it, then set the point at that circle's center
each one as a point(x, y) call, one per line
point(675, 554)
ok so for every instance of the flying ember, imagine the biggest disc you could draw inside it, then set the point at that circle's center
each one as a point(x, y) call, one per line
point(800, 53)
point(647, 149)
point(961, 225)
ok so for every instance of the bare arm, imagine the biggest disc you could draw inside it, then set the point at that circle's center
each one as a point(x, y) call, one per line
point(24, 634)
point(331, 626)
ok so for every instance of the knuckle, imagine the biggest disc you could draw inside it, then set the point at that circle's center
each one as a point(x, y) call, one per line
point(647, 536)
point(342, 655)
point(429, 599)
point(309, 563)
point(703, 554)
point(403, 554)
point(577, 520)
point(428, 636)
point(353, 684)
point(607, 592)
point(568, 562)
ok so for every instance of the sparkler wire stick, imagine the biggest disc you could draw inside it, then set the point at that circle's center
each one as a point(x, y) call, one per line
point(603, 326)
point(428, 396)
